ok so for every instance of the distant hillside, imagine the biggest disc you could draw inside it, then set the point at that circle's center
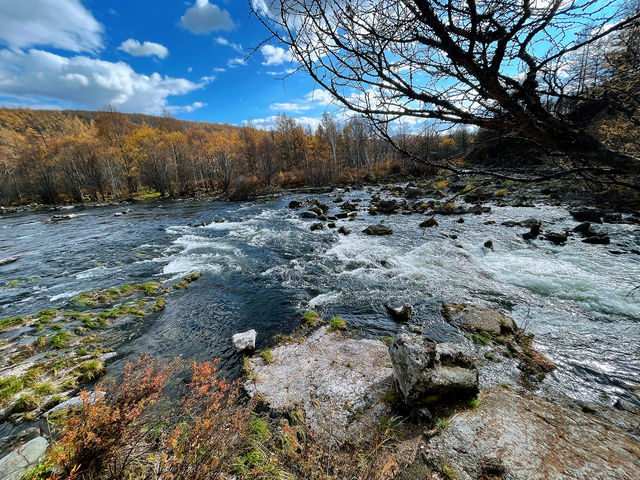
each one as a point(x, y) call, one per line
point(46, 117)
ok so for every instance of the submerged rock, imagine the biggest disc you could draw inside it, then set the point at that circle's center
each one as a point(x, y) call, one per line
point(244, 341)
point(431, 222)
point(398, 311)
point(378, 229)
point(489, 244)
point(516, 436)
point(429, 373)
point(8, 260)
point(17, 463)
point(344, 230)
point(335, 380)
point(598, 239)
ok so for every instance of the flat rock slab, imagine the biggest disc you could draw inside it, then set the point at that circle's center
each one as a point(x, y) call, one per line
point(514, 436)
point(337, 381)
point(18, 462)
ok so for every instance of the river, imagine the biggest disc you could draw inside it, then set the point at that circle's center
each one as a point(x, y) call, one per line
point(262, 268)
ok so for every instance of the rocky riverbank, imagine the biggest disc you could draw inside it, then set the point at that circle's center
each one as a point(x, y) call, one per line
point(346, 388)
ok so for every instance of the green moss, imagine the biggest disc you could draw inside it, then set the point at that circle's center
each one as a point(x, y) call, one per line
point(473, 403)
point(9, 387)
point(447, 472)
point(74, 315)
point(40, 342)
point(159, 305)
point(150, 288)
point(336, 324)
point(27, 402)
point(88, 322)
point(192, 277)
point(501, 193)
point(49, 312)
point(45, 388)
point(11, 322)
point(60, 339)
point(310, 319)
point(267, 355)
point(91, 370)
point(31, 376)
point(181, 285)
point(387, 341)
point(56, 326)
point(483, 338)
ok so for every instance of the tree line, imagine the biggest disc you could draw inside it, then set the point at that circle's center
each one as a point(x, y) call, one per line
point(53, 157)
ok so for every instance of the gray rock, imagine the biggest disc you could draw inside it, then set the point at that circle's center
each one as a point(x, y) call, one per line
point(295, 204)
point(476, 319)
point(583, 228)
point(75, 402)
point(429, 373)
point(398, 311)
point(598, 239)
point(488, 244)
point(336, 381)
point(344, 230)
point(316, 226)
point(378, 229)
point(17, 463)
point(244, 341)
point(533, 232)
point(516, 436)
point(309, 214)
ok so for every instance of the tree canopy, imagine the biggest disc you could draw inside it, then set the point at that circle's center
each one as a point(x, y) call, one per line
point(510, 65)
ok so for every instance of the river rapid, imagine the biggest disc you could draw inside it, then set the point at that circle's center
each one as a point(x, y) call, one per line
point(262, 268)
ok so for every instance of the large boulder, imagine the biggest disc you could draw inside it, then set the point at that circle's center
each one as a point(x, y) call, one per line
point(338, 382)
point(244, 341)
point(378, 229)
point(514, 436)
point(429, 373)
point(387, 206)
point(17, 463)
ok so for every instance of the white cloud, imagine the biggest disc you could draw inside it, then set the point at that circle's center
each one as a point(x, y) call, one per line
point(186, 108)
point(223, 41)
point(236, 62)
point(319, 97)
point(89, 82)
point(146, 49)
point(260, 6)
point(63, 24)
point(269, 122)
point(289, 107)
point(274, 55)
point(204, 17)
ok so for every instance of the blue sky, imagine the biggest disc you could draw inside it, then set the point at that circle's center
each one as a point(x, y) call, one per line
point(149, 56)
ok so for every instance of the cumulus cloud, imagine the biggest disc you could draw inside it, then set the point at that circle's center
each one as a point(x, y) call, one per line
point(63, 24)
point(87, 81)
point(204, 17)
point(319, 97)
point(275, 55)
point(146, 49)
point(269, 122)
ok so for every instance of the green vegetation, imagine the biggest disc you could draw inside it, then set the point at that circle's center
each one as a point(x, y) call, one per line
point(501, 193)
point(9, 387)
point(60, 339)
point(310, 319)
point(91, 370)
point(336, 324)
point(26, 403)
point(267, 355)
point(184, 283)
point(159, 305)
point(474, 403)
point(447, 472)
point(11, 322)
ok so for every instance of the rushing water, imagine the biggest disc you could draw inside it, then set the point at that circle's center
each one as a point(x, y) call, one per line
point(263, 267)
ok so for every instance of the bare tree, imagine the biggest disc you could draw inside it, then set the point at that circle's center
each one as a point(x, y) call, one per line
point(498, 64)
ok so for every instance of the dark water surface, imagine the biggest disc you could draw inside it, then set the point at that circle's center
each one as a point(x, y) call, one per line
point(262, 268)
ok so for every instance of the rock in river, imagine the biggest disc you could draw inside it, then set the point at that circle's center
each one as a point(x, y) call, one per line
point(330, 377)
point(557, 238)
point(430, 373)
point(244, 341)
point(8, 260)
point(399, 312)
point(378, 229)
